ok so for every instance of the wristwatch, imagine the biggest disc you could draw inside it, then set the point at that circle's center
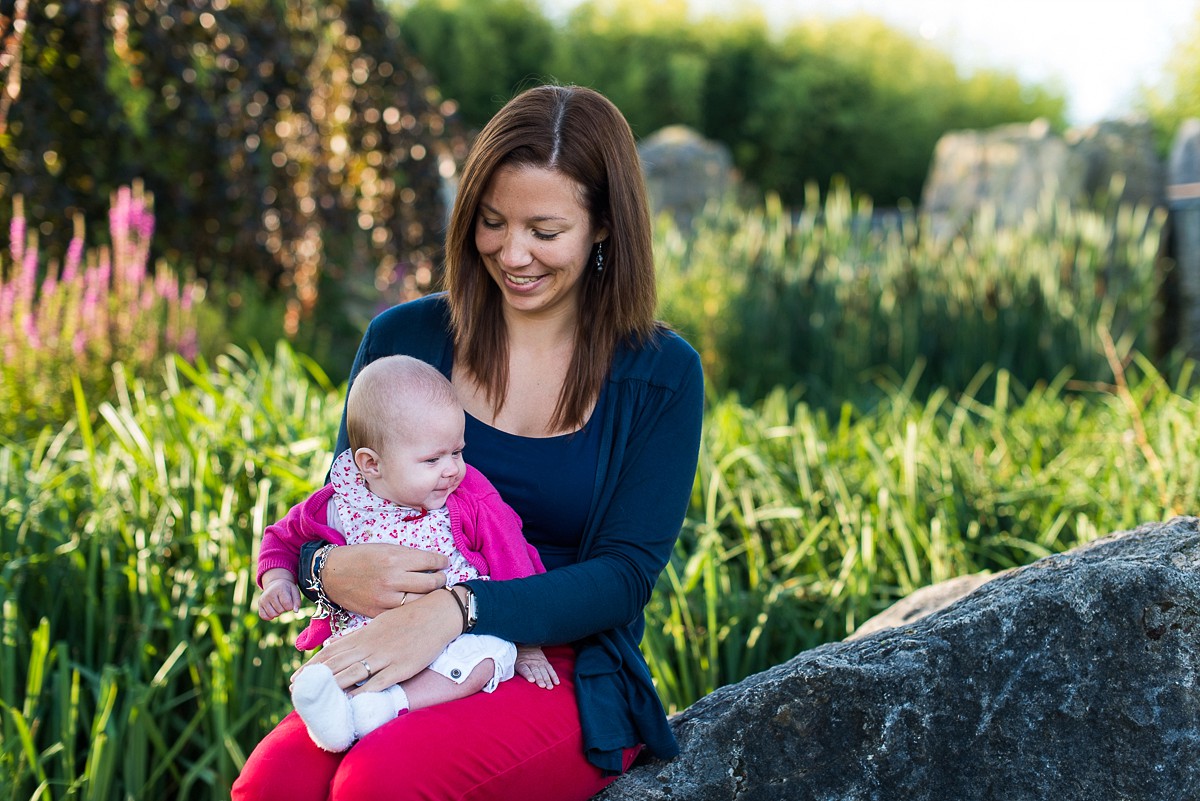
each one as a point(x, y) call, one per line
point(468, 610)
point(472, 609)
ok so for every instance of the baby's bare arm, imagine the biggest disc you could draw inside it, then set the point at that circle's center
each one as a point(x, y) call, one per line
point(280, 594)
point(533, 666)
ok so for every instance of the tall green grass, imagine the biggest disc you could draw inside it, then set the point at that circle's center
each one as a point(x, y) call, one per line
point(133, 664)
point(803, 525)
point(840, 305)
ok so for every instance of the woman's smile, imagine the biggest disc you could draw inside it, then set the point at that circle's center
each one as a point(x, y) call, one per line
point(522, 280)
point(535, 238)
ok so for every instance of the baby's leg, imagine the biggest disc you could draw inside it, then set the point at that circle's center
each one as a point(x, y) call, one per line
point(471, 663)
point(427, 688)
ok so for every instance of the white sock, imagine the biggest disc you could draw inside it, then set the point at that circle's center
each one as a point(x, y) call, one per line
point(371, 710)
point(324, 708)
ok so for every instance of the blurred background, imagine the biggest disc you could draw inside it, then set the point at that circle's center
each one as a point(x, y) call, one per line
point(306, 152)
point(940, 260)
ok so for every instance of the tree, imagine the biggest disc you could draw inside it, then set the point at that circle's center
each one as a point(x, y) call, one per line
point(289, 142)
point(481, 51)
point(1178, 98)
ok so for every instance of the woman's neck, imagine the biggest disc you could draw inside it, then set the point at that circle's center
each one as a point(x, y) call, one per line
point(536, 335)
point(540, 350)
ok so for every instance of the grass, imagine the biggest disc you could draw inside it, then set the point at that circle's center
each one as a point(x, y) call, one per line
point(804, 525)
point(947, 408)
point(841, 306)
point(134, 665)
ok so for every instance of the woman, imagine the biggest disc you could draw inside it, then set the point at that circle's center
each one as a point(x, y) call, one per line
point(585, 414)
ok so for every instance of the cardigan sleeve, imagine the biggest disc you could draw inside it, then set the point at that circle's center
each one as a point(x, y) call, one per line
point(304, 522)
point(638, 515)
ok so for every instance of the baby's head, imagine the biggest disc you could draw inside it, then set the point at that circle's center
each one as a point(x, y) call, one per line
point(405, 426)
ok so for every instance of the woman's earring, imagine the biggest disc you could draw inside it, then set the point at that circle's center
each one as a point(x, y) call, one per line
point(600, 257)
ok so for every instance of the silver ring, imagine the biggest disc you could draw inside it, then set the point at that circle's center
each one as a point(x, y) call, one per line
point(363, 662)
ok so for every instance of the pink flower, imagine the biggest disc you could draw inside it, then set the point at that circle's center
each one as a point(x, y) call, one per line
point(74, 257)
point(16, 237)
point(31, 332)
point(29, 273)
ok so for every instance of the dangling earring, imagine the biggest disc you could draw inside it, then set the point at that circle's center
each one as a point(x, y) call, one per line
point(599, 257)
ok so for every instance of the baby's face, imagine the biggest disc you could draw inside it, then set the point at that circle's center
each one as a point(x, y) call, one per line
point(423, 467)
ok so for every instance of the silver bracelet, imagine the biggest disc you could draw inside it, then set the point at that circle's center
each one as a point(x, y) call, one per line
point(325, 606)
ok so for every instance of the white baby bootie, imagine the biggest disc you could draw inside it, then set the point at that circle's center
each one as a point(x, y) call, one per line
point(369, 711)
point(324, 708)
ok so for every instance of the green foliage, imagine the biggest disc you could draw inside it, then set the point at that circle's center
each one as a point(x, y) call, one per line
point(491, 48)
point(837, 105)
point(104, 305)
point(854, 98)
point(805, 524)
point(284, 141)
point(836, 304)
point(1177, 98)
point(133, 663)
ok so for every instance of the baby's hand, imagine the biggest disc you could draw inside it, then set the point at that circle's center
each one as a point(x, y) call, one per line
point(279, 596)
point(533, 665)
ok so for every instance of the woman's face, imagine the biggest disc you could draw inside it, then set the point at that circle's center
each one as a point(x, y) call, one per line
point(535, 236)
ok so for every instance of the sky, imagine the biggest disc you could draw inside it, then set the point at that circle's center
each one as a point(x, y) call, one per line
point(1100, 52)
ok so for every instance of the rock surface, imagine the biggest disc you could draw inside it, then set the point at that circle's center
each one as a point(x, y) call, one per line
point(1072, 678)
point(1120, 155)
point(922, 603)
point(1014, 168)
point(684, 171)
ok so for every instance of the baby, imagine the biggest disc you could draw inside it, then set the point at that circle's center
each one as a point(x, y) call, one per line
point(402, 481)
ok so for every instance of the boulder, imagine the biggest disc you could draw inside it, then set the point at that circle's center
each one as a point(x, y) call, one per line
point(1074, 678)
point(1120, 159)
point(1009, 168)
point(922, 603)
point(1014, 168)
point(684, 171)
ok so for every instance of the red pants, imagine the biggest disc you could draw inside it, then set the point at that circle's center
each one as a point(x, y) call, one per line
point(520, 742)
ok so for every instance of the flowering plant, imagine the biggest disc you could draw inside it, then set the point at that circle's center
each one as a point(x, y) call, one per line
point(104, 306)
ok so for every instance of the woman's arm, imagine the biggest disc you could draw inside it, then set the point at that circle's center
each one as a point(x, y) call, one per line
point(640, 521)
point(397, 645)
point(375, 577)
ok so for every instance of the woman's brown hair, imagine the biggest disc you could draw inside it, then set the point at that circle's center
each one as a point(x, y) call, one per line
point(581, 134)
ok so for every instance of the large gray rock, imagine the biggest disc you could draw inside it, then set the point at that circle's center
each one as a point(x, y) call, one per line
point(922, 603)
point(684, 171)
point(1014, 168)
point(1121, 160)
point(1073, 679)
point(1008, 169)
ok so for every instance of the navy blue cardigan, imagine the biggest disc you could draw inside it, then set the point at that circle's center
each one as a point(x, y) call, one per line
point(651, 416)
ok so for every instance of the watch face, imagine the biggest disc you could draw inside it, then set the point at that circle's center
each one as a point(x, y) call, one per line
point(471, 615)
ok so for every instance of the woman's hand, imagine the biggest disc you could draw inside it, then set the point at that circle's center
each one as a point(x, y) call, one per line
point(372, 578)
point(395, 646)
